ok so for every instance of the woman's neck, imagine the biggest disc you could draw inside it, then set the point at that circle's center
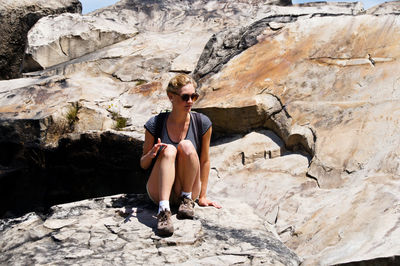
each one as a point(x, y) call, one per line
point(178, 117)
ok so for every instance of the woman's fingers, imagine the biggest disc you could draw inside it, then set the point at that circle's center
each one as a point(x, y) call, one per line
point(159, 145)
point(214, 204)
point(206, 202)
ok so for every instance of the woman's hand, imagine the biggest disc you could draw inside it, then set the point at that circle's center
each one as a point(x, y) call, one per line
point(159, 145)
point(205, 202)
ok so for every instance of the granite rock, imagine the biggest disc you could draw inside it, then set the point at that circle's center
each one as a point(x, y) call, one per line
point(304, 103)
point(57, 39)
point(120, 230)
point(16, 18)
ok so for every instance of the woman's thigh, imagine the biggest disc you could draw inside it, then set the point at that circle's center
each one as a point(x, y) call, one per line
point(153, 183)
point(178, 179)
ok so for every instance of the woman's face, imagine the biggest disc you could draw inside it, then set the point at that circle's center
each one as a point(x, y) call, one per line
point(179, 103)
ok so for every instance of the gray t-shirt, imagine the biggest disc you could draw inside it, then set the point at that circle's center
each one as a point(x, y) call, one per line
point(205, 121)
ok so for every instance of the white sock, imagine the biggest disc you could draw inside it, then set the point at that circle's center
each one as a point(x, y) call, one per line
point(163, 205)
point(186, 194)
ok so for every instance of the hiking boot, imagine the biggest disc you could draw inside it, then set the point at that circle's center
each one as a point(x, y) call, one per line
point(164, 223)
point(186, 208)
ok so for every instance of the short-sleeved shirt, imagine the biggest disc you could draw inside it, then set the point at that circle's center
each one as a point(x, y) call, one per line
point(205, 125)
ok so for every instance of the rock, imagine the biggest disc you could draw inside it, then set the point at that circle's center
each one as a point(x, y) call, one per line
point(57, 39)
point(121, 229)
point(237, 151)
point(34, 176)
point(309, 219)
point(58, 224)
point(327, 88)
point(305, 146)
point(67, 99)
point(139, 68)
point(387, 8)
point(160, 26)
point(228, 43)
point(169, 15)
point(16, 18)
point(257, 110)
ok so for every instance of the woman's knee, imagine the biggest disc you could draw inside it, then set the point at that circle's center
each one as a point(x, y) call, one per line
point(186, 147)
point(169, 152)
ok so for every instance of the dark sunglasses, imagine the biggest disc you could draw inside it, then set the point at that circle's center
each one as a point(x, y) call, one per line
point(185, 97)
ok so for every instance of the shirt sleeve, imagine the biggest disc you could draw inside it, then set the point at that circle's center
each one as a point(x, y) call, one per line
point(206, 124)
point(151, 126)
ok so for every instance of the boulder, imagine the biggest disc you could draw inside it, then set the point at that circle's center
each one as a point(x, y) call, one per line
point(172, 36)
point(304, 104)
point(230, 42)
point(340, 86)
point(338, 100)
point(57, 39)
point(81, 166)
point(387, 8)
point(16, 18)
point(193, 15)
point(121, 230)
point(192, 23)
point(323, 226)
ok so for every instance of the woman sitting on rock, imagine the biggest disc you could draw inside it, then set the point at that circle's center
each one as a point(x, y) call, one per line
point(176, 146)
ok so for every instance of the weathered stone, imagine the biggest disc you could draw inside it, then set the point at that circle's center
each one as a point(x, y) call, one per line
point(16, 18)
point(333, 101)
point(392, 7)
point(329, 89)
point(169, 15)
point(57, 39)
point(58, 224)
point(237, 151)
point(34, 176)
point(120, 229)
point(310, 73)
point(307, 218)
point(216, 53)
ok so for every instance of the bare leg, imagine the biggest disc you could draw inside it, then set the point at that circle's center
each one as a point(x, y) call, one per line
point(162, 176)
point(187, 170)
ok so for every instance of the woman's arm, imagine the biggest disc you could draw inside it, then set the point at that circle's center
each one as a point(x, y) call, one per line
point(149, 149)
point(205, 170)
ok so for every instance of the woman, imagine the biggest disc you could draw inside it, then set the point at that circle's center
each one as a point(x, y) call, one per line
point(180, 164)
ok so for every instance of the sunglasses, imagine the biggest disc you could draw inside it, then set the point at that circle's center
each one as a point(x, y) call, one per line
point(185, 97)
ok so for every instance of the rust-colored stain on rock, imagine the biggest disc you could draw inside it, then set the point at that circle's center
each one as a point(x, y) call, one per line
point(282, 64)
point(146, 89)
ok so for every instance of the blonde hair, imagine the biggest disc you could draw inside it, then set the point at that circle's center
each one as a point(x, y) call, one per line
point(180, 80)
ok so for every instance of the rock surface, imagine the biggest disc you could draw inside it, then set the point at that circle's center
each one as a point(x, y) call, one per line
point(392, 7)
point(70, 36)
point(16, 18)
point(357, 222)
point(84, 165)
point(304, 103)
point(340, 83)
point(337, 100)
point(120, 230)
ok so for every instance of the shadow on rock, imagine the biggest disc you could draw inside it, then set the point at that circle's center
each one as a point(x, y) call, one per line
point(137, 206)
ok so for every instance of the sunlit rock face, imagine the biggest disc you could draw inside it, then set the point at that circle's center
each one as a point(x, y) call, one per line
point(57, 39)
point(16, 18)
point(340, 81)
point(161, 39)
point(338, 77)
point(392, 7)
point(304, 105)
point(120, 230)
